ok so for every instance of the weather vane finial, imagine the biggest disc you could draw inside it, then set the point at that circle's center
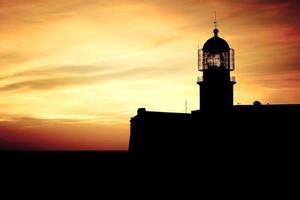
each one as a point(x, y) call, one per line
point(215, 22)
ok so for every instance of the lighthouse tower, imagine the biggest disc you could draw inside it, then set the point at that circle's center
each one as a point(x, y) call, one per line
point(216, 61)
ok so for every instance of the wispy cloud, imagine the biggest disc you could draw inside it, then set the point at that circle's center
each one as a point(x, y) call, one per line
point(73, 80)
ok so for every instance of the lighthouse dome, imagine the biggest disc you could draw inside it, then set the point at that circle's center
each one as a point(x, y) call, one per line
point(216, 44)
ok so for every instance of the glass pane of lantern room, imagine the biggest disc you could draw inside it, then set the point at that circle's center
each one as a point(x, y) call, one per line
point(214, 60)
point(232, 64)
point(225, 60)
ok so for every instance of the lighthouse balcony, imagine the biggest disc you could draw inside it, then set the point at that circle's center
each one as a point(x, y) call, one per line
point(201, 79)
point(232, 78)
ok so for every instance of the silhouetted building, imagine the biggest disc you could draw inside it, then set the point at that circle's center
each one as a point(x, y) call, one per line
point(218, 127)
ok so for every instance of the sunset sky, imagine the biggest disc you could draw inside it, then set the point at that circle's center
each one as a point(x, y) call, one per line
point(72, 73)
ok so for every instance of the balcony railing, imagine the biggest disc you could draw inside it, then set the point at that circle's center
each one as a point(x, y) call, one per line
point(199, 79)
point(232, 78)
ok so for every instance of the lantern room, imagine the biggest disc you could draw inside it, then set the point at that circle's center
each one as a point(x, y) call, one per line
point(216, 53)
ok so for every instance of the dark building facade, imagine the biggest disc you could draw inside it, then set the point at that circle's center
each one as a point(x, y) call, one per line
point(219, 127)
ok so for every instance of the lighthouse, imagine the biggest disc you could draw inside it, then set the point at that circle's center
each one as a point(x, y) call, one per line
point(216, 62)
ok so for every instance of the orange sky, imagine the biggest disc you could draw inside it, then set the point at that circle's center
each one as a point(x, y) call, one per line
point(72, 73)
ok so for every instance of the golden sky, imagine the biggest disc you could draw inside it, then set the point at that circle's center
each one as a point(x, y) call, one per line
point(72, 73)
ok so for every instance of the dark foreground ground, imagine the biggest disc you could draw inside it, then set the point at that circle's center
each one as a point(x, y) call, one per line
point(221, 159)
point(62, 158)
point(248, 174)
point(61, 164)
